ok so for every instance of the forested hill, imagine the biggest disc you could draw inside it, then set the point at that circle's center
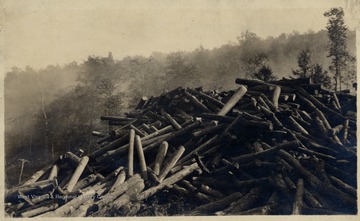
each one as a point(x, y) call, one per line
point(54, 109)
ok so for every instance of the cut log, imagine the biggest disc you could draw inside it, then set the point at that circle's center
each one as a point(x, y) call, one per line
point(160, 157)
point(37, 175)
point(120, 179)
point(298, 204)
point(239, 93)
point(171, 162)
point(141, 157)
point(216, 205)
point(131, 153)
point(244, 202)
point(172, 121)
point(169, 181)
point(76, 175)
point(54, 172)
point(40, 210)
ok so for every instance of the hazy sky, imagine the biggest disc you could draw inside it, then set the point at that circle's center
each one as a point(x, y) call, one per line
point(42, 32)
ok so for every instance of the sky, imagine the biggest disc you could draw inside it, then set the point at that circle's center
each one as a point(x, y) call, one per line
point(39, 33)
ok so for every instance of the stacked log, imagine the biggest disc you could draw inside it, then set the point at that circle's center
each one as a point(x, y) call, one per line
point(284, 147)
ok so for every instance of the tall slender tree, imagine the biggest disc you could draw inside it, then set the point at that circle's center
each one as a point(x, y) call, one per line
point(337, 49)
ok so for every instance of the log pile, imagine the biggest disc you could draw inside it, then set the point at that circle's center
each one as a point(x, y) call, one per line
point(284, 147)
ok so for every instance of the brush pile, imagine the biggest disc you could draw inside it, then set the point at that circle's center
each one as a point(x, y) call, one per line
point(284, 147)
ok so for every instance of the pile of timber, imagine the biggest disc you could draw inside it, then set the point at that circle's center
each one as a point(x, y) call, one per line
point(285, 147)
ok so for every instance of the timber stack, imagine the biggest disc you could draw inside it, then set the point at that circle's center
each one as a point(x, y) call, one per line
point(282, 147)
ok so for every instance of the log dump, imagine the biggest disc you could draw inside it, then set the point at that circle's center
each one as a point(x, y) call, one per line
point(266, 148)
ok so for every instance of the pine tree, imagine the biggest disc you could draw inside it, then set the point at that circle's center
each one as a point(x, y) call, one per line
point(337, 49)
point(265, 73)
point(304, 60)
point(320, 76)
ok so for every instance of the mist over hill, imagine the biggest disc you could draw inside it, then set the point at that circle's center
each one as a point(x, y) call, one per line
point(51, 110)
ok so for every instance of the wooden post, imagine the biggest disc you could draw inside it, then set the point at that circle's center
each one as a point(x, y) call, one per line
point(76, 175)
point(131, 153)
point(276, 95)
point(141, 156)
point(23, 161)
point(160, 157)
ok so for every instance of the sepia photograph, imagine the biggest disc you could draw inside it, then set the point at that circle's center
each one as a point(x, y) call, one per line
point(159, 108)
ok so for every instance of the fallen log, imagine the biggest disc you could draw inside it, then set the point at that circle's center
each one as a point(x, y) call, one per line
point(169, 181)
